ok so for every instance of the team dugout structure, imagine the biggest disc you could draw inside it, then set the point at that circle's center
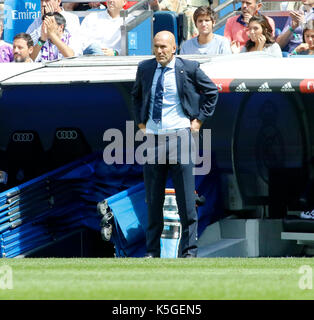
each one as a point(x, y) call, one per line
point(262, 130)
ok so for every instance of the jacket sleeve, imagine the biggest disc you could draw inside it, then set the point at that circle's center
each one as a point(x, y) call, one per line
point(209, 94)
point(137, 98)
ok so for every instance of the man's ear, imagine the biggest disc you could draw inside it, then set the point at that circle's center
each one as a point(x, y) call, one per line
point(259, 6)
point(30, 50)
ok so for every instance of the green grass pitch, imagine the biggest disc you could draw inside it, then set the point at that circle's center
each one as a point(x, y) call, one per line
point(159, 279)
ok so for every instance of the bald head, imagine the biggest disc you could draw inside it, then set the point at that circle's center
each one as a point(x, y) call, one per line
point(166, 36)
point(164, 47)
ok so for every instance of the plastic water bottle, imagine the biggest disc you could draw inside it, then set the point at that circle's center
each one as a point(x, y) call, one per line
point(171, 235)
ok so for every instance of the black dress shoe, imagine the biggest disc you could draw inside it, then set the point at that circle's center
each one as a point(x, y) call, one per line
point(189, 256)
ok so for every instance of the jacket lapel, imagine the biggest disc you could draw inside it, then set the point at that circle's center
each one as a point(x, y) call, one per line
point(147, 82)
point(180, 76)
point(149, 76)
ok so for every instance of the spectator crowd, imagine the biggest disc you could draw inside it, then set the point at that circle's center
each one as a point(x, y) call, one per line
point(58, 32)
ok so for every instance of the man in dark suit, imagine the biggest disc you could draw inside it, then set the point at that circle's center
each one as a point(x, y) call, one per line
point(172, 97)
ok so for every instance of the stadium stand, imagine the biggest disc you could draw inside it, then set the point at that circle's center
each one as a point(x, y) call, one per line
point(166, 19)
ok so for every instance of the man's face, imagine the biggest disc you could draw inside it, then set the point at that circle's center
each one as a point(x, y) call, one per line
point(204, 25)
point(50, 6)
point(250, 7)
point(164, 48)
point(60, 30)
point(115, 5)
point(21, 51)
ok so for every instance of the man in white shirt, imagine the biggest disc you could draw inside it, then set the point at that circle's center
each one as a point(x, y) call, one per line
point(101, 32)
point(72, 24)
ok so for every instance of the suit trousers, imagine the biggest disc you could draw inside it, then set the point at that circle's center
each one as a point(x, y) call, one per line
point(174, 153)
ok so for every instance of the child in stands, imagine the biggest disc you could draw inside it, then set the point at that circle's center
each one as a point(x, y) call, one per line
point(307, 47)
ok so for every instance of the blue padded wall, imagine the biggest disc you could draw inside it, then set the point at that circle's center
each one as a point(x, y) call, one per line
point(140, 39)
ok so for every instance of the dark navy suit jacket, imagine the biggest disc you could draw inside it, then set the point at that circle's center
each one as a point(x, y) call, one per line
point(198, 94)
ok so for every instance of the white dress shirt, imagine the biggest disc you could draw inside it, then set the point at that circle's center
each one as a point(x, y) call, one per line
point(172, 117)
point(99, 27)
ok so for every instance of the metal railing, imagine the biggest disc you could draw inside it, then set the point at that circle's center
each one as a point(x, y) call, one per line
point(221, 21)
point(139, 13)
point(142, 4)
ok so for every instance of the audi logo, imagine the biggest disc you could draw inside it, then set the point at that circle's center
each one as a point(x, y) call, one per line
point(23, 137)
point(66, 135)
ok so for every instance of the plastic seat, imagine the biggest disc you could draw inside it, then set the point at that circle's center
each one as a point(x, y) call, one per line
point(25, 157)
point(68, 145)
point(166, 20)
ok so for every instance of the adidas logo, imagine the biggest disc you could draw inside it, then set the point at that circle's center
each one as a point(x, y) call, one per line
point(287, 87)
point(242, 88)
point(264, 87)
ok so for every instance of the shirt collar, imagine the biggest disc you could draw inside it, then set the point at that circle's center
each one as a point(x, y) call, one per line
point(240, 19)
point(170, 65)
